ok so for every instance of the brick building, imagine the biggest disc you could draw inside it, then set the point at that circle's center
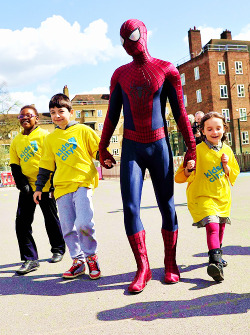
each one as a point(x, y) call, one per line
point(216, 78)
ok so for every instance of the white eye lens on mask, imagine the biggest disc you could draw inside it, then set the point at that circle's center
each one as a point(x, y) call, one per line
point(135, 35)
point(122, 40)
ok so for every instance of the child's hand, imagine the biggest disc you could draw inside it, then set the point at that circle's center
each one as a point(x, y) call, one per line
point(108, 162)
point(190, 165)
point(37, 197)
point(189, 168)
point(224, 159)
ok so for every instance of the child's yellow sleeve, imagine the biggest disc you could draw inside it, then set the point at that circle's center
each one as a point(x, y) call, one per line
point(180, 175)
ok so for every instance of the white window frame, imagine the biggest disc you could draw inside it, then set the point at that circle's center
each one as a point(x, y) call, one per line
point(241, 91)
point(14, 133)
point(238, 67)
point(196, 73)
point(100, 126)
point(221, 68)
point(198, 96)
point(185, 100)
point(114, 139)
point(223, 92)
point(229, 139)
point(243, 114)
point(183, 79)
point(99, 112)
point(226, 114)
point(78, 114)
point(244, 137)
point(115, 152)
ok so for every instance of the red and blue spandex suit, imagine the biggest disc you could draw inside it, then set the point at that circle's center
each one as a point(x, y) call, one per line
point(142, 88)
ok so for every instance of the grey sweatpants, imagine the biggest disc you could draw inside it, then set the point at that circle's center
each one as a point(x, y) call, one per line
point(76, 217)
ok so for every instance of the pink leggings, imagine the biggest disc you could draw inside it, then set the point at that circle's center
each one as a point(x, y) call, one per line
point(215, 232)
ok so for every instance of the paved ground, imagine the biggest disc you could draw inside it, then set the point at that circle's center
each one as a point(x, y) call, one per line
point(43, 303)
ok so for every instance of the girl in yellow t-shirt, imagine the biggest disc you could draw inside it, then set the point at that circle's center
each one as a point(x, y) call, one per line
point(208, 190)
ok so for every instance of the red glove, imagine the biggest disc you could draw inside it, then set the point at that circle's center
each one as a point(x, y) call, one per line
point(103, 155)
point(190, 155)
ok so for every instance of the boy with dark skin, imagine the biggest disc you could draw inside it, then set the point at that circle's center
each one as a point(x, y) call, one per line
point(25, 153)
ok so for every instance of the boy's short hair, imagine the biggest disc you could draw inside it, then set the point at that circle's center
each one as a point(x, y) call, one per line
point(30, 107)
point(60, 100)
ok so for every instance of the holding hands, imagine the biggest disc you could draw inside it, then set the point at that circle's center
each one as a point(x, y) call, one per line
point(189, 168)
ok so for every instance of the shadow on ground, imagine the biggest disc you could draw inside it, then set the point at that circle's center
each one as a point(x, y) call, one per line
point(217, 304)
point(231, 250)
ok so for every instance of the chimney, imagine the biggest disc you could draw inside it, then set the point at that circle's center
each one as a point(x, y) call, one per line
point(226, 35)
point(66, 90)
point(194, 39)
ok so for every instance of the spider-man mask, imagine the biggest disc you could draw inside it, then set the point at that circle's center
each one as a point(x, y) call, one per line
point(133, 36)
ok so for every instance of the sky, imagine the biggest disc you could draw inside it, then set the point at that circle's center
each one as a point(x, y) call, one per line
point(45, 45)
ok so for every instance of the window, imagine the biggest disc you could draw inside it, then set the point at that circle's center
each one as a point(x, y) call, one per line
point(243, 114)
point(14, 133)
point(226, 114)
point(241, 91)
point(223, 91)
point(229, 139)
point(86, 114)
point(166, 111)
point(78, 114)
point(114, 139)
point(244, 137)
point(183, 80)
point(99, 112)
point(198, 96)
point(100, 126)
point(221, 68)
point(196, 73)
point(185, 100)
point(168, 123)
point(115, 152)
point(238, 67)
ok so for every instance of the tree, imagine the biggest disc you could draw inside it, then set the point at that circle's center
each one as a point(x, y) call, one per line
point(8, 123)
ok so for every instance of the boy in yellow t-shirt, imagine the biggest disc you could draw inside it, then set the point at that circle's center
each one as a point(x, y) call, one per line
point(69, 151)
point(25, 154)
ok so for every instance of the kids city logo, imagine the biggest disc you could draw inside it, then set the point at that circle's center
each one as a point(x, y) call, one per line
point(29, 151)
point(67, 149)
point(216, 173)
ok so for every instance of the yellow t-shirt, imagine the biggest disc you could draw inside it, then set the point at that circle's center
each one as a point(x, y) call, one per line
point(25, 150)
point(208, 190)
point(71, 152)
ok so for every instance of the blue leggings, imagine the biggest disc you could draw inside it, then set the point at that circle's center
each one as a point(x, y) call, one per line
point(157, 158)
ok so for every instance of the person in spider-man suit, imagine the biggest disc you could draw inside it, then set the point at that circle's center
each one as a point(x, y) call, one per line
point(142, 87)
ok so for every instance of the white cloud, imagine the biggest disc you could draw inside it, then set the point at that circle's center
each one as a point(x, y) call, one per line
point(34, 54)
point(244, 35)
point(208, 33)
point(97, 90)
point(26, 98)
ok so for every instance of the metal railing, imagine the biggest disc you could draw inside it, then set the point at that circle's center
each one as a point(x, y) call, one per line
point(225, 47)
point(94, 102)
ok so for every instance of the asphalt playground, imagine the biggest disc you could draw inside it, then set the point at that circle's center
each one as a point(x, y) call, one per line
point(43, 303)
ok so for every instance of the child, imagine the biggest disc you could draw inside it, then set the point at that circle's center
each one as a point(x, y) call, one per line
point(208, 190)
point(69, 151)
point(25, 154)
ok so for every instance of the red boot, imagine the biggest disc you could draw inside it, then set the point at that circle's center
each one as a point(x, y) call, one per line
point(143, 274)
point(172, 274)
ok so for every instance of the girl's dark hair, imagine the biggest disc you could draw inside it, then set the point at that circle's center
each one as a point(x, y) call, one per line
point(210, 115)
point(30, 107)
point(60, 100)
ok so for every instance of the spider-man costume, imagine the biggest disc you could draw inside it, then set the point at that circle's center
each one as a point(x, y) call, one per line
point(142, 87)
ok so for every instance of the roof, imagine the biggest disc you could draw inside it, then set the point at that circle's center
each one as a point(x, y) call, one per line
point(229, 42)
point(90, 97)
